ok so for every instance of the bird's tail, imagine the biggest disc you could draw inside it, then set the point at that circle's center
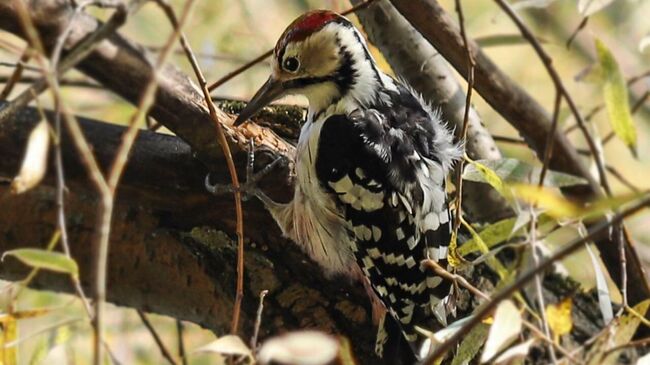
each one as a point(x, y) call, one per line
point(401, 343)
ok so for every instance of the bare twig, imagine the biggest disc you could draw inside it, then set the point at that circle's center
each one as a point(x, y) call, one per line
point(559, 86)
point(548, 149)
point(181, 342)
point(62, 82)
point(258, 320)
point(15, 76)
point(463, 133)
point(161, 345)
point(528, 275)
point(114, 175)
point(440, 271)
point(538, 277)
point(583, 23)
point(217, 121)
point(77, 54)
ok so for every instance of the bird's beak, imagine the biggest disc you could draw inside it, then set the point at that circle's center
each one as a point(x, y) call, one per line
point(271, 90)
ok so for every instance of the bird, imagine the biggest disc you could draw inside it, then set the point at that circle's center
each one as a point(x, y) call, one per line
point(370, 199)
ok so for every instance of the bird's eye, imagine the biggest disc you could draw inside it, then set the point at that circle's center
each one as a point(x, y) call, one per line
point(291, 64)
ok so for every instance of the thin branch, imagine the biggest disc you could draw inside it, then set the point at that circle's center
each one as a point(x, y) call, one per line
point(161, 345)
point(15, 76)
point(559, 86)
point(583, 23)
point(76, 55)
point(60, 176)
point(258, 320)
point(181, 343)
point(116, 171)
point(463, 133)
point(550, 140)
point(538, 278)
point(641, 342)
point(527, 276)
point(62, 81)
point(223, 142)
point(440, 271)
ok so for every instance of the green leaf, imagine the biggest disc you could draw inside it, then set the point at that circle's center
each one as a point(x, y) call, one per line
point(42, 259)
point(616, 98)
point(471, 344)
point(622, 331)
point(491, 235)
point(511, 170)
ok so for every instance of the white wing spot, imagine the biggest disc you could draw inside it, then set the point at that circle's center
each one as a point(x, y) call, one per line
point(399, 233)
point(374, 253)
point(376, 233)
point(410, 262)
point(411, 242)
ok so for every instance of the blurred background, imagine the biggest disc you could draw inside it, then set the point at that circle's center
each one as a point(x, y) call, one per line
point(226, 34)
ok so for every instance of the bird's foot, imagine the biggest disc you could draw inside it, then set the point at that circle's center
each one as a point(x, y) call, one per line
point(250, 186)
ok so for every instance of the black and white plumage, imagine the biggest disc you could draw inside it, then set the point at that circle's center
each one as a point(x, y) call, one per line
point(371, 163)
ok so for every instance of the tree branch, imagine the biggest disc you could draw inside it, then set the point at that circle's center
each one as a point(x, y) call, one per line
point(173, 249)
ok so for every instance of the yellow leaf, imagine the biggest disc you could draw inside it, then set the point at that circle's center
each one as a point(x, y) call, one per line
point(8, 355)
point(453, 258)
point(346, 355)
point(554, 204)
point(559, 318)
point(616, 97)
point(491, 178)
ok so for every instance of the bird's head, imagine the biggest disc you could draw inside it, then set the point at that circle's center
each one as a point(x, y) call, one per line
point(321, 56)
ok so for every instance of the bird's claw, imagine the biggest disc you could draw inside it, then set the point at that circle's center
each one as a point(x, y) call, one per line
point(249, 187)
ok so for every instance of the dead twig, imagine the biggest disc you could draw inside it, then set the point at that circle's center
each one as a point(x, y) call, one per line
point(559, 86)
point(181, 342)
point(223, 142)
point(15, 76)
point(114, 175)
point(463, 133)
point(161, 345)
point(76, 54)
point(258, 320)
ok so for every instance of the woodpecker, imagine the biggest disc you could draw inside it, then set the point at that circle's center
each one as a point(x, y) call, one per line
point(370, 200)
